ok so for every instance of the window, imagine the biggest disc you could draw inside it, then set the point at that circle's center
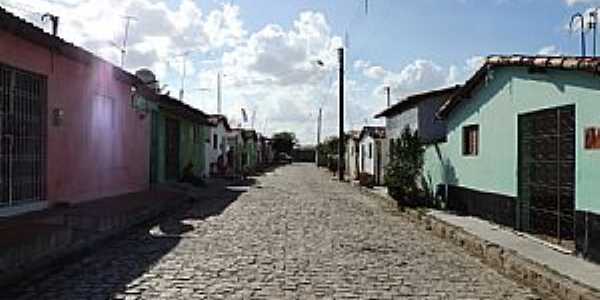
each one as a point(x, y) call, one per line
point(471, 140)
point(215, 141)
point(370, 150)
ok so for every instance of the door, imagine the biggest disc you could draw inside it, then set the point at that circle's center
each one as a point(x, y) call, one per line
point(547, 172)
point(22, 137)
point(154, 142)
point(172, 149)
point(378, 162)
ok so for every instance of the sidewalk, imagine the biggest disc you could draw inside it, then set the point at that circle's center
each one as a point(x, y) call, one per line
point(38, 240)
point(515, 254)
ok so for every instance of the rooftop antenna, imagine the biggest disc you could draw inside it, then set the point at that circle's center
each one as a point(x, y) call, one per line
point(128, 20)
point(582, 23)
point(592, 25)
point(54, 19)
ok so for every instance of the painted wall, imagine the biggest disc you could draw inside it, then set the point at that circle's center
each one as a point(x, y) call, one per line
point(352, 159)
point(191, 150)
point(495, 107)
point(101, 149)
point(212, 154)
point(369, 162)
point(430, 128)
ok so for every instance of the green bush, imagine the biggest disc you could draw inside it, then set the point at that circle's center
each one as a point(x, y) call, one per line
point(403, 174)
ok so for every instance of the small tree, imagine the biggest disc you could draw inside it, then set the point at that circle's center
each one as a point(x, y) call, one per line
point(283, 142)
point(404, 171)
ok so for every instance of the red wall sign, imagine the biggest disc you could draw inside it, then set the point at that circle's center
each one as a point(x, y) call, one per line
point(592, 138)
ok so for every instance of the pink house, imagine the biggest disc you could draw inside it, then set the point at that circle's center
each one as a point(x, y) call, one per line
point(69, 131)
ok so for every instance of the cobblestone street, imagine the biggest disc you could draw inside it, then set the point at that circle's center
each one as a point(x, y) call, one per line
point(294, 234)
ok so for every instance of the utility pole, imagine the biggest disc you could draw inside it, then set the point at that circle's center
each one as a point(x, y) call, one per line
point(593, 24)
point(318, 134)
point(341, 115)
point(219, 100)
point(388, 92)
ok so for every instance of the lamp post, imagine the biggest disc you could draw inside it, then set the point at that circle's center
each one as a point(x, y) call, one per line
point(341, 115)
point(341, 135)
point(592, 25)
point(582, 23)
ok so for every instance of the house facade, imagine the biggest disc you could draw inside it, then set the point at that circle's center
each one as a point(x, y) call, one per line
point(235, 146)
point(77, 111)
point(217, 146)
point(523, 148)
point(352, 155)
point(249, 152)
point(177, 141)
point(370, 144)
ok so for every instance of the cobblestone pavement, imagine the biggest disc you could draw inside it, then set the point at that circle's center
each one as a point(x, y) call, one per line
point(295, 234)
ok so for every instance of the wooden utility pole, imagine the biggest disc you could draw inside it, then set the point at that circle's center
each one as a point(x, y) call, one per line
point(318, 134)
point(219, 99)
point(341, 113)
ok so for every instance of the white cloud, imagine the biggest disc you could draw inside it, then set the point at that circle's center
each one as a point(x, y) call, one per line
point(549, 51)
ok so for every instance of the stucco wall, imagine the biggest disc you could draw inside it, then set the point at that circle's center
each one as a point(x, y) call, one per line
point(212, 155)
point(101, 149)
point(369, 163)
point(351, 159)
point(496, 106)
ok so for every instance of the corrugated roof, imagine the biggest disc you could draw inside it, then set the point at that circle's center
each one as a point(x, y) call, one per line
point(412, 100)
point(570, 63)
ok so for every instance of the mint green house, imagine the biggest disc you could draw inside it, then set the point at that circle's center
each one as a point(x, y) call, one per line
point(178, 136)
point(250, 151)
point(523, 148)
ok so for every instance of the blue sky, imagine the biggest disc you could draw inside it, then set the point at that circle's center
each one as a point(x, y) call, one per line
point(266, 48)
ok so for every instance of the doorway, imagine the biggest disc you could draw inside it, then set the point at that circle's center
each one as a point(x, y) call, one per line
point(546, 142)
point(172, 147)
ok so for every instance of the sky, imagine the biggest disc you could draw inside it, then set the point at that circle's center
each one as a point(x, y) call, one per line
point(267, 49)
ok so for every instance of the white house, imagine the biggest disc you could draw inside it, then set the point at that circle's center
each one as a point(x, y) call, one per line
point(371, 152)
point(417, 112)
point(217, 146)
point(352, 154)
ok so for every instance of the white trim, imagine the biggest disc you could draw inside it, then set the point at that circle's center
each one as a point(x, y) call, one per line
point(23, 208)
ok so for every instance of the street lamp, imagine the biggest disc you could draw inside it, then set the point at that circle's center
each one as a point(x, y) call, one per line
point(340, 52)
point(582, 23)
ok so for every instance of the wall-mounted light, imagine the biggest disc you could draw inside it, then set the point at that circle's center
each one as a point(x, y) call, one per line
point(58, 115)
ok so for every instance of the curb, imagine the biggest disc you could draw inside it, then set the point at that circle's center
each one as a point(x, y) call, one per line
point(506, 261)
point(45, 265)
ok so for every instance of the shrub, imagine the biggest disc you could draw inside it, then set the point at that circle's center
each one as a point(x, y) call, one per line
point(403, 174)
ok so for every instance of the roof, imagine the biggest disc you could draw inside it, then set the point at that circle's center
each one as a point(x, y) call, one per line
point(376, 132)
point(28, 31)
point(570, 63)
point(414, 99)
point(214, 120)
point(180, 109)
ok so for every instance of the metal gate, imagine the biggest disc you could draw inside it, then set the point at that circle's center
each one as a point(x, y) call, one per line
point(547, 173)
point(22, 137)
point(172, 151)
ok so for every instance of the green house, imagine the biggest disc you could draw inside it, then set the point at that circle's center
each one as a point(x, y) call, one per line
point(249, 152)
point(179, 132)
point(523, 148)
